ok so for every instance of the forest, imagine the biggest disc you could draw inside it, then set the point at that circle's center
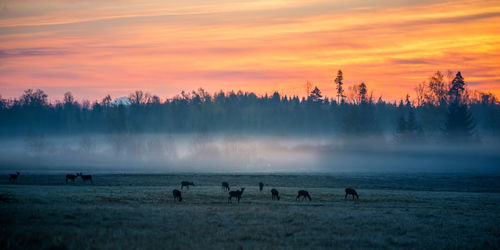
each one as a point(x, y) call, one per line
point(444, 107)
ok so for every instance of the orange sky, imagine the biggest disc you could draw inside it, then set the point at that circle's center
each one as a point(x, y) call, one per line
point(95, 47)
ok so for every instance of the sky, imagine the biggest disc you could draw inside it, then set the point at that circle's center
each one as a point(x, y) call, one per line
point(94, 47)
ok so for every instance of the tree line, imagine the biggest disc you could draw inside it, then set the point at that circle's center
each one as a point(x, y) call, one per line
point(443, 109)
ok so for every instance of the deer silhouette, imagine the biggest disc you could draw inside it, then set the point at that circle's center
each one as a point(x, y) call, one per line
point(236, 194)
point(225, 186)
point(71, 177)
point(13, 177)
point(351, 191)
point(177, 195)
point(304, 194)
point(261, 186)
point(86, 177)
point(186, 184)
point(275, 194)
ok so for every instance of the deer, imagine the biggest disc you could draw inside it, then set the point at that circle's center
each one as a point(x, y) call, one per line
point(186, 184)
point(236, 194)
point(275, 194)
point(71, 177)
point(225, 186)
point(261, 186)
point(177, 195)
point(13, 177)
point(351, 191)
point(304, 194)
point(86, 177)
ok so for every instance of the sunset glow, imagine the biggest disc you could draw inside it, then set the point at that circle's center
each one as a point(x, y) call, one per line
point(93, 48)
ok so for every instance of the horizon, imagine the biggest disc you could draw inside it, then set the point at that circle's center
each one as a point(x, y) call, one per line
point(93, 49)
point(351, 90)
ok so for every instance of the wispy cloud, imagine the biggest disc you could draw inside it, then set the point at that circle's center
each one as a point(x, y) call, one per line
point(31, 52)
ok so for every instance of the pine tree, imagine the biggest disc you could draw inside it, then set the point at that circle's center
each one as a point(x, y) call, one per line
point(363, 99)
point(340, 90)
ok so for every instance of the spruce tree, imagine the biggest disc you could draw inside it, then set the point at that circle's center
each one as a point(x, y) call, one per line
point(315, 95)
point(459, 123)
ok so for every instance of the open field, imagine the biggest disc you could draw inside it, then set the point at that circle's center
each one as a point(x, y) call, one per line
point(138, 211)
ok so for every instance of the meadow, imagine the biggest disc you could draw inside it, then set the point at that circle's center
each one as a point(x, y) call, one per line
point(137, 211)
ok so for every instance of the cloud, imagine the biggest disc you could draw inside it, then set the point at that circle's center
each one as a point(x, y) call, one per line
point(243, 75)
point(409, 61)
point(63, 75)
point(32, 52)
point(456, 19)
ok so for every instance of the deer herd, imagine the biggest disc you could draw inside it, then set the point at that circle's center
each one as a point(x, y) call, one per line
point(301, 194)
point(275, 195)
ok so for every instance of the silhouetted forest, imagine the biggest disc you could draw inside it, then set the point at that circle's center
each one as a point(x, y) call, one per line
point(441, 109)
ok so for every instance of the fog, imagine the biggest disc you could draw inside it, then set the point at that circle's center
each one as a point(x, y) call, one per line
point(218, 153)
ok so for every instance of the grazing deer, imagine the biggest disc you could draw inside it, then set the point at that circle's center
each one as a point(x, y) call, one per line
point(86, 177)
point(186, 184)
point(236, 194)
point(225, 186)
point(304, 194)
point(261, 186)
point(351, 191)
point(275, 194)
point(13, 177)
point(71, 177)
point(177, 195)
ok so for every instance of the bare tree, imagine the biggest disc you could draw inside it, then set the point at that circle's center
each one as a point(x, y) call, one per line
point(308, 87)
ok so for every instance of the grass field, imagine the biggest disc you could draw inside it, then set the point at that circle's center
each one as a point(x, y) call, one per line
point(138, 212)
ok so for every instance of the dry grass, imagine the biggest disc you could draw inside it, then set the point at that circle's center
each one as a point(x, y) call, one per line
point(134, 215)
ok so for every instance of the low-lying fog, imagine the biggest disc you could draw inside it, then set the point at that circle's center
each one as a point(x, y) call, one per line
point(162, 153)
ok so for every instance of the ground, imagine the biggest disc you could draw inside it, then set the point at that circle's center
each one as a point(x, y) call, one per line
point(138, 212)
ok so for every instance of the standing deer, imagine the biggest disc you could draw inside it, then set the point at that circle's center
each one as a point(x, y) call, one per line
point(304, 194)
point(177, 195)
point(351, 191)
point(236, 194)
point(86, 177)
point(225, 186)
point(275, 194)
point(186, 184)
point(71, 177)
point(13, 177)
point(261, 186)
